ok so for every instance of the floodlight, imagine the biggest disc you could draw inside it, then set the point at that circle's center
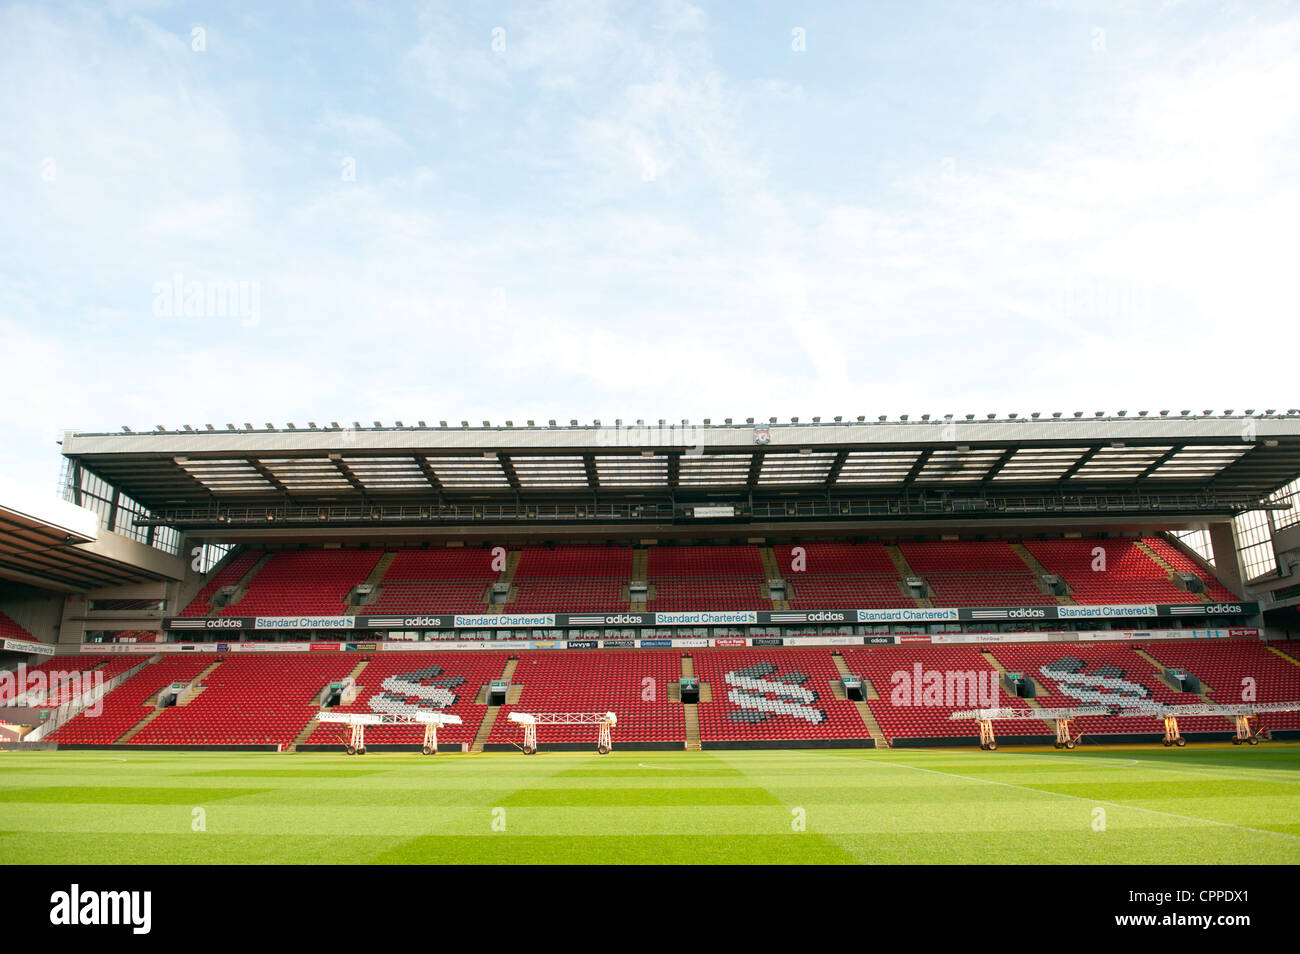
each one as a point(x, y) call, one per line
point(817, 420)
point(377, 424)
point(1249, 411)
point(883, 417)
point(247, 426)
point(422, 424)
point(728, 420)
point(838, 418)
point(291, 427)
point(749, 420)
point(209, 427)
point(1056, 414)
point(187, 427)
point(126, 429)
point(902, 417)
point(861, 418)
point(970, 417)
point(794, 420)
point(1123, 413)
point(531, 424)
point(992, 417)
point(335, 425)
point(510, 423)
point(312, 425)
point(1013, 415)
point(574, 422)
point(706, 421)
point(925, 417)
point(771, 420)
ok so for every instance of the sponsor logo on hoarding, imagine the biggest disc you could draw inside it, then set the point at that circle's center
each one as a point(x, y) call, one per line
point(767, 641)
point(364, 647)
point(730, 641)
point(907, 615)
point(1243, 632)
point(1098, 612)
point(823, 617)
point(584, 644)
point(879, 640)
point(654, 643)
point(1223, 609)
point(304, 622)
point(1023, 612)
point(504, 621)
point(618, 643)
point(619, 619)
point(27, 646)
point(704, 619)
point(326, 647)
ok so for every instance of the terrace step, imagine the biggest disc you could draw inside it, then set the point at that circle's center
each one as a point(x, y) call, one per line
point(640, 567)
point(1164, 564)
point(773, 572)
point(864, 711)
point(906, 572)
point(1039, 570)
point(490, 716)
point(195, 686)
point(241, 586)
point(690, 711)
point(1038, 686)
point(1159, 667)
point(1285, 655)
point(135, 729)
point(373, 579)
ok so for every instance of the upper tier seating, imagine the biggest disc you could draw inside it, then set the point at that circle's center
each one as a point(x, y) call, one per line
point(1182, 563)
point(572, 577)
point(1129, 574)
point(305, 582)
point(631, 683)
point(394, 681)
point(9, 628)
point(706, 578)
point(231, 572)
point(773, 694)
point(841, 575)
point(831, 575)
point(975, 573)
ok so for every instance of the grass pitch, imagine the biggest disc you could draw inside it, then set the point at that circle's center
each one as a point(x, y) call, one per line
point(1147, 805)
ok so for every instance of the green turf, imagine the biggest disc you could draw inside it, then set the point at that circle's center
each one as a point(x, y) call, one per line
point(1193, 805)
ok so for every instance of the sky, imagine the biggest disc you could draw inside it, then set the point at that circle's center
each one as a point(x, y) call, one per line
point(594, 210)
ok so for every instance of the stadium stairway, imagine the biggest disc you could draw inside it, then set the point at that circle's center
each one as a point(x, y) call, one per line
point(1164, 564)
point(373, 579)
point(1160, 674)
point(184, 699)
point(773, 571)
point(1039, 570)
point(491, 713)
point(1287, 656)
point(1002, 671)
point(864, 710)
point(507, 577)
point(690, 711)
point(640, 569)
point(905, 571)
point(242, 584)
point(314, 722)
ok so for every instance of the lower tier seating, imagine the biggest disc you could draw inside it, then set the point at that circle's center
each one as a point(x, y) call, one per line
point(633, 684)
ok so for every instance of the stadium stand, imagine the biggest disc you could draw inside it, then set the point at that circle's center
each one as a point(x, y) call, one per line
point(975, 573)
point(634, 684)
point(842, 575)
point(1238, 671)
point(391, 681)
point(773, 694)
point(254, 699)
point(1129, 574)
point(1108, 674)
point(301, 582)
point(573, 577)
point(228, 574)
point(9, 628)
point(127, 705)
point(892, 672)
point(706, 578)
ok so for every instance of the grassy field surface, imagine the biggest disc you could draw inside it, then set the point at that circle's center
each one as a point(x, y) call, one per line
point(1202, 804)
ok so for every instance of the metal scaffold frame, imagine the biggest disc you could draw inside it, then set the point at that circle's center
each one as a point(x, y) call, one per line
point(529, 721)
point(357, 722)
point(1241, 716)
